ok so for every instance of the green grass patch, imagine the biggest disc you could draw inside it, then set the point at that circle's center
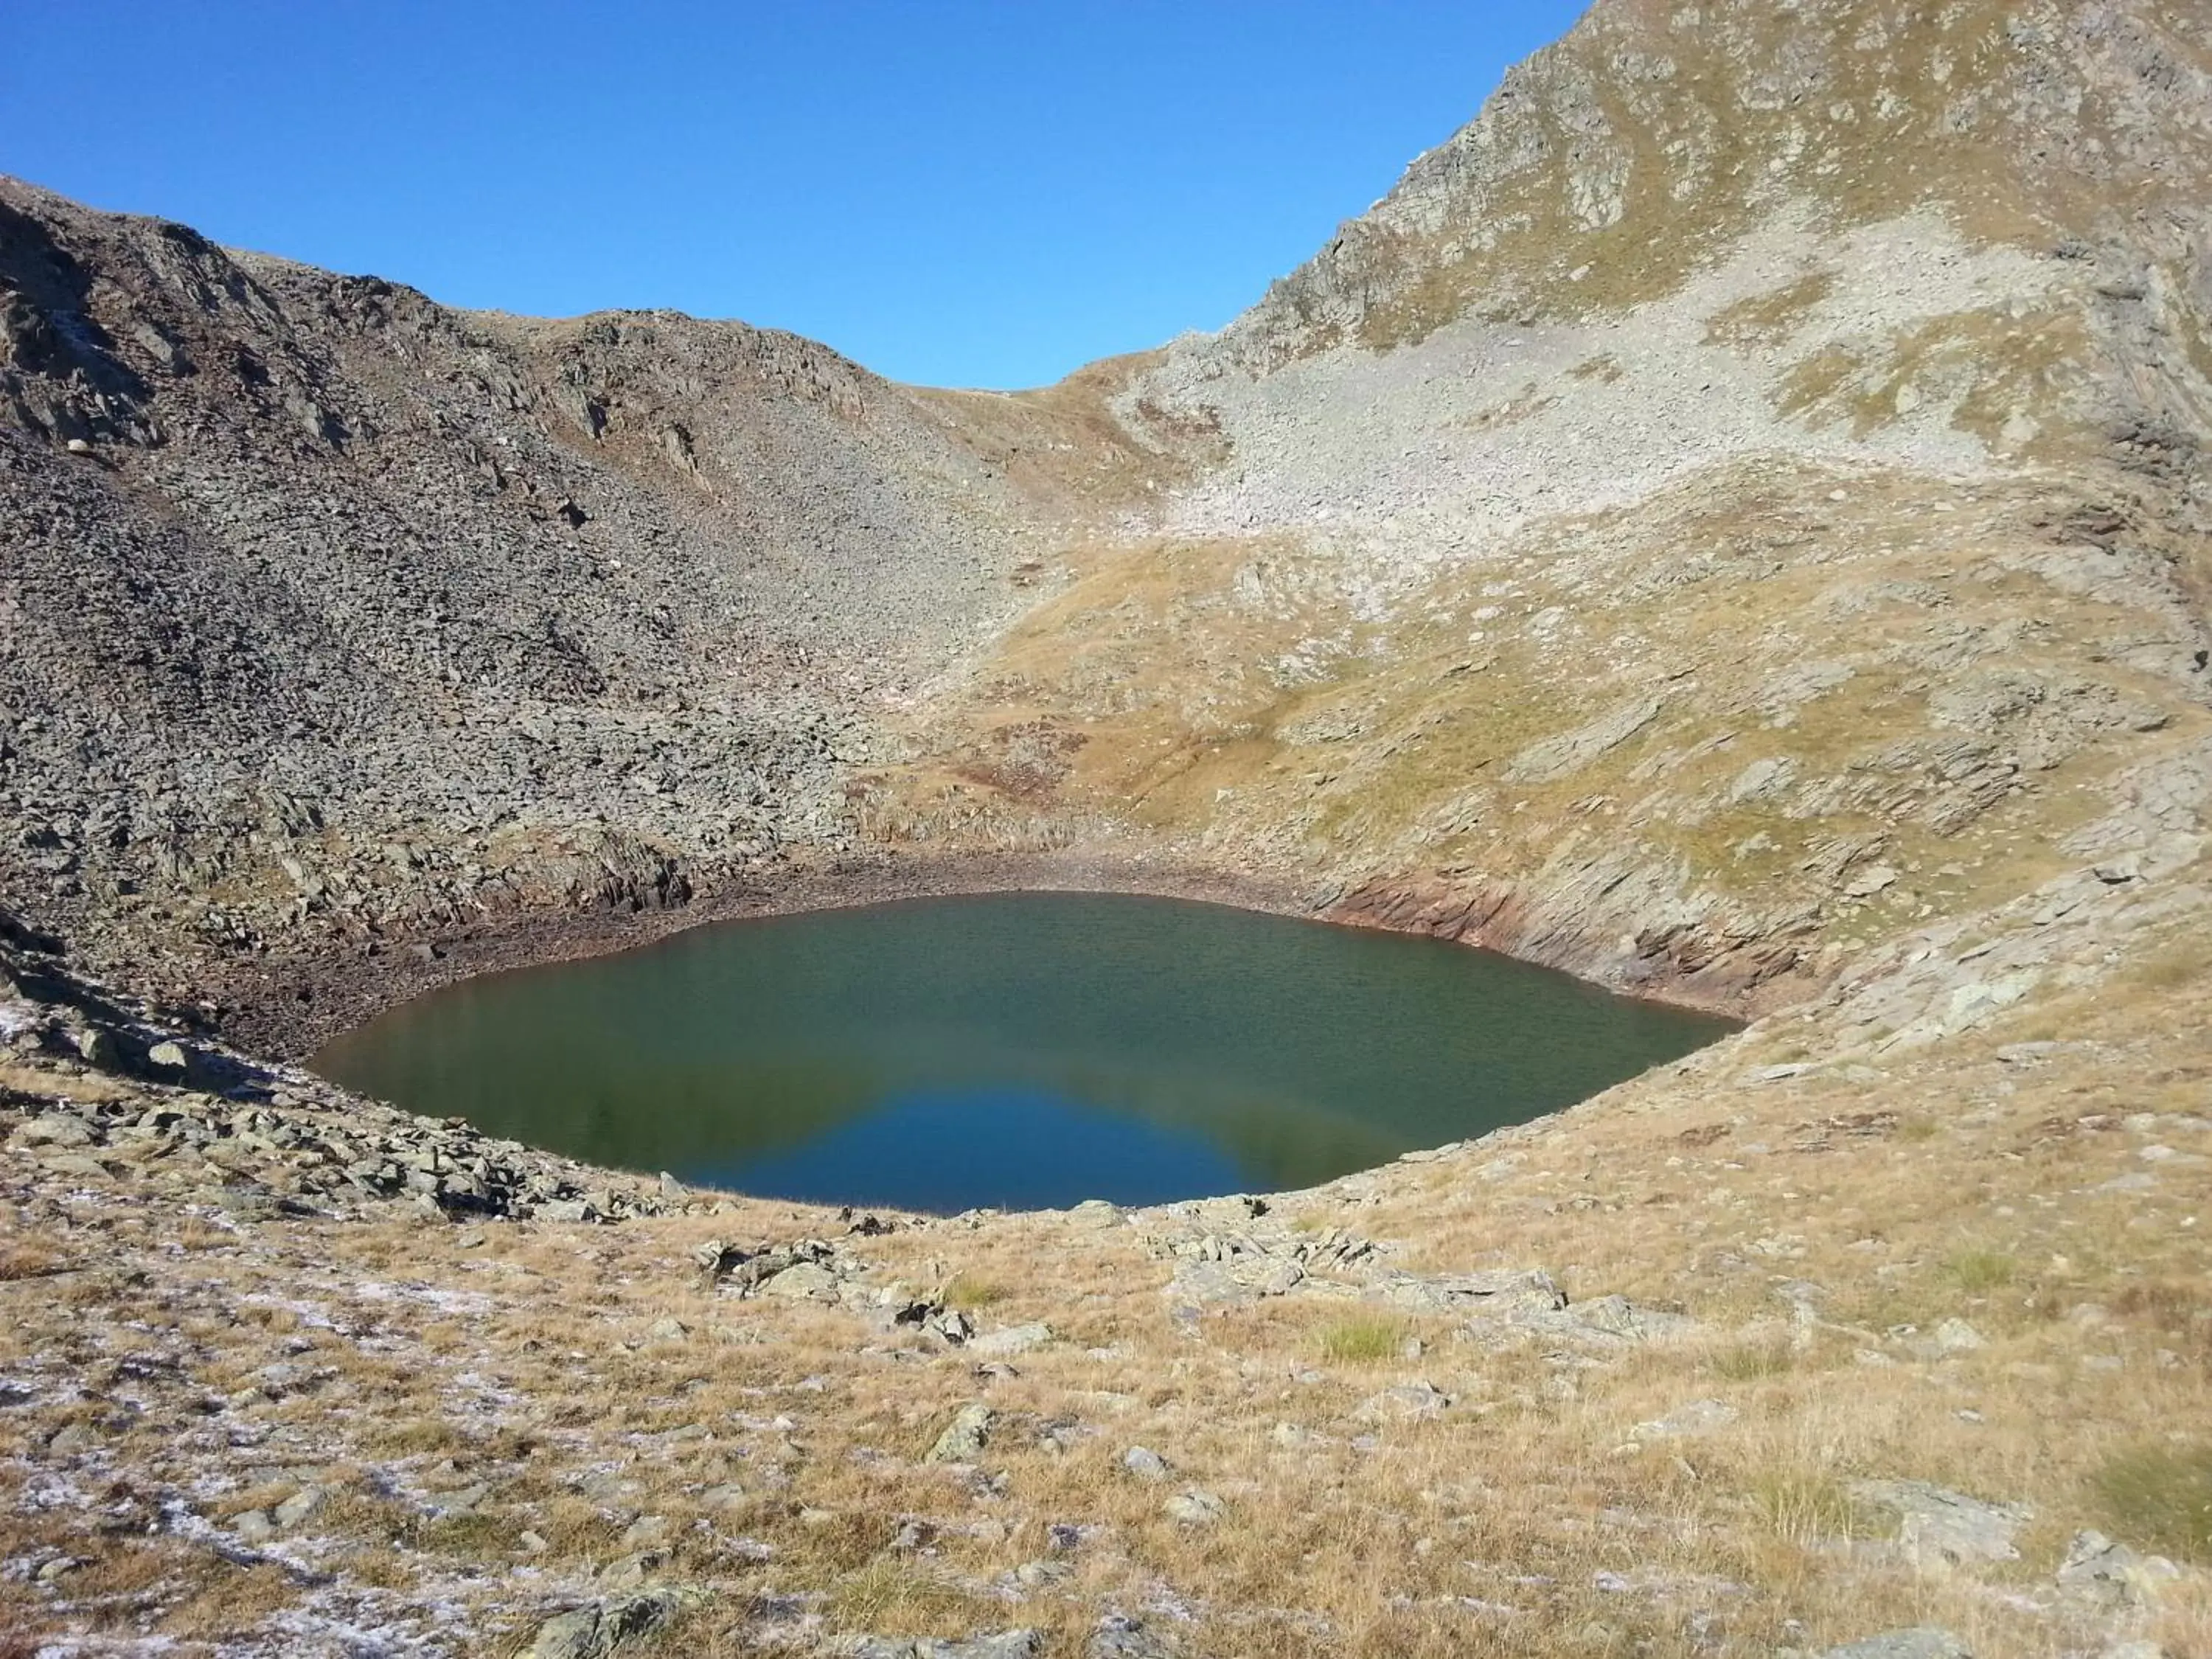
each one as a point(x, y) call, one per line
point(1979, 1272)
point(2159, 1499)
point(1750, 1362)
point(1808, 1508)
point(1363, 1339)
point(969, 1293)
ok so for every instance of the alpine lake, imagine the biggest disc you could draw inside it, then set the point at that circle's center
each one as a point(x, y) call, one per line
point(1014, 1050)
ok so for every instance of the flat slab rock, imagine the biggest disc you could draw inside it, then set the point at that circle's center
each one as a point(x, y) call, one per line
point(1924, 1642)
point(1504, 1291)
point(1938, 1527)
point(1005, 1644)
point(1232, 1283)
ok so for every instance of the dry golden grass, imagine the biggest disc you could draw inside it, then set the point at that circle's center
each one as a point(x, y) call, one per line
point(800, 1428)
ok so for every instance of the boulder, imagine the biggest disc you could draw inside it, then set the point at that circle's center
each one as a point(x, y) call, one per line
point(1942, 1528)
point(1195, 1507)
point(804, 1280)
point(2111, 1576)
point(1012, 1340)
point(1501, 1293)
point(606, 1626)
point(1144, 1463)
point(965, 1436)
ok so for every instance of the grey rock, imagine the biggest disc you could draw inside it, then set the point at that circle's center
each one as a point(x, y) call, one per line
point(1146, 1464)
point(1924, 1643)
point(1955, 1336)
point(2111, 1576)
point(1405, 1402)
point(565, 1210)
point(606, 1626)
point(805, 1281)
point(1004, 1644)
point(81, 1165)
point(1616, 1316)
point(1195, 1507)
point(1500, 1294)
point(465, 1500)
point(1937, 1528)
point(300, 1507)
point(57, 1129)
point(254, 1526)
point(1700, 1417)
point(1235, 1283)
point(1120, 1637)
point(1096, 1213)
point(1012, 1340)
point(965, 1436)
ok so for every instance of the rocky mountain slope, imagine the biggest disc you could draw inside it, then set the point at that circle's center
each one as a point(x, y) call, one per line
point(1733, 522)
point(334, 611)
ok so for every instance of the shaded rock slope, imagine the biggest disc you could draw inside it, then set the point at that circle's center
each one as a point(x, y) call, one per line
point(1733, 522)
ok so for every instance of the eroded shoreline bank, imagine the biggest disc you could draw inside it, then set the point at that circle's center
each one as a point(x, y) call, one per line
point(289, 1004)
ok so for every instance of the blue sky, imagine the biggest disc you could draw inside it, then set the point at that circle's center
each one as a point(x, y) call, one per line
point(970, 193)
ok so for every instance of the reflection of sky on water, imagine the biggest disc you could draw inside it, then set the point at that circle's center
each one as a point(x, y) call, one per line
point(988, 1148)
point(1226, 1050)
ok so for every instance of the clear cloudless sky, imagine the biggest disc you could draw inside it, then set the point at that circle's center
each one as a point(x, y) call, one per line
point(967, 193)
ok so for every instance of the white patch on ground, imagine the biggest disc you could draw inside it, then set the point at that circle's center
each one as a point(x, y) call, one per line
point(1439, 452)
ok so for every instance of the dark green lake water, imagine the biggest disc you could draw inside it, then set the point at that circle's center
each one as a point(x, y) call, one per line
point(1021, 1049)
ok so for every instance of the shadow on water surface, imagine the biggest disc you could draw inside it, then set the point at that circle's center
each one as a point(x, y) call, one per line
point(1018, 1049)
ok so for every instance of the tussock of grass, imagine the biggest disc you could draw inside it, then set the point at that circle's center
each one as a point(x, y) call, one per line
point(1748, 1362)
point(471, 1536)
point(1978, 1271)
point(22, 1261)
point(2159, 1499)
point(969, 1293)
point(894, 1598)
point(1363, 1339)
point(1807, 1508)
